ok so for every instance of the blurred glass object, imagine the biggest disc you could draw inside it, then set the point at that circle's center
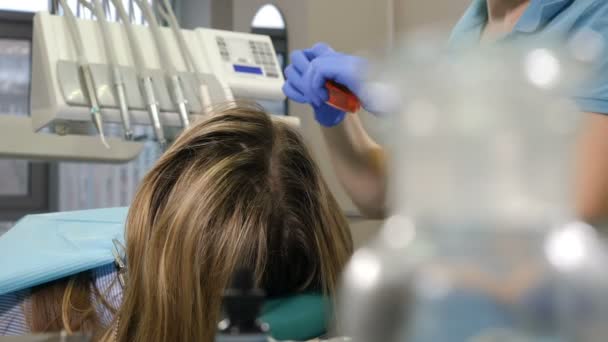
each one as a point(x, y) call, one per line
point(24, 5)
point(587, 45)
point(542, 68)
point(483, 243)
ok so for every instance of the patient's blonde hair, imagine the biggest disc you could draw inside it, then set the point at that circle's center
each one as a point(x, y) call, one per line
point(235, 190)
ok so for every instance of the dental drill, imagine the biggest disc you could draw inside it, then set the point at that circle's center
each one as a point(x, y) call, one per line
point(119, 85)
point(85, 71)
point(166, 12)
point(176, 87)
point(145, 79)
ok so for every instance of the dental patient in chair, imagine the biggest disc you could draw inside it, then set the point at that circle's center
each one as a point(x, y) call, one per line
point(235, 190)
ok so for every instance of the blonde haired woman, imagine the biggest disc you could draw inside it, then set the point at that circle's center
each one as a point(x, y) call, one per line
point(235, 190)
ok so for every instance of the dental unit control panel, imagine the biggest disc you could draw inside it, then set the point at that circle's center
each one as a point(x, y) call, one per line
point(247, 62)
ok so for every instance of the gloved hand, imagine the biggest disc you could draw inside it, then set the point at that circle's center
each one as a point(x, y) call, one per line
point(309, 71)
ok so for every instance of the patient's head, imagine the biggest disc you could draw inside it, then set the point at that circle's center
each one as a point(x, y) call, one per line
point(235, 190)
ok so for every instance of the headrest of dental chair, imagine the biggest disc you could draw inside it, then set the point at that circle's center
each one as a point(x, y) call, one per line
point(297, 318)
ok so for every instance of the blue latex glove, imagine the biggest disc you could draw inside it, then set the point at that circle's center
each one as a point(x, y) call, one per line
point(308, 72)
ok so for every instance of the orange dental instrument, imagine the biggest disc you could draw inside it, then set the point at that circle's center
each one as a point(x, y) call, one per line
point(342, 98)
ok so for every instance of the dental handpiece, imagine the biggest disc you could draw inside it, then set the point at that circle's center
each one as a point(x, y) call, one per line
point(119, 86)
point(153, 109)
point(87, 76)
point(146, 86)
point(180, 100)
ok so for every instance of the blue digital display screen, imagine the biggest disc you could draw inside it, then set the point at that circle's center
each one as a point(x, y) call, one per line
point(247, 69)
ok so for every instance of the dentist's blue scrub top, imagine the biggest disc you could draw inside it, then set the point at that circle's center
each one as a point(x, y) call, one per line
point(549, 21)
point(544, 21)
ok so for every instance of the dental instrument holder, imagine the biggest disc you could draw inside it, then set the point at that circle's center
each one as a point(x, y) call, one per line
point(242, 305)
point(57, 91)
point(71, 88)
point(482, 201)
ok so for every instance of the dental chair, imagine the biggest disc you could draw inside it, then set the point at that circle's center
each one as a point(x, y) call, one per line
point(67, 243)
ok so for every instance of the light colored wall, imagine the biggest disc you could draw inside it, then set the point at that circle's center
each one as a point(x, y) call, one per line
point(221, 11)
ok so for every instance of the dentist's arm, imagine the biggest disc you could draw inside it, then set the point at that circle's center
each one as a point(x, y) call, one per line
point(592, 180)
point(360, 163)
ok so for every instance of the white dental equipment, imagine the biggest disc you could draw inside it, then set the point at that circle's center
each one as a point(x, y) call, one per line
point(85, 71)
point(483, 243)
point(229, 64)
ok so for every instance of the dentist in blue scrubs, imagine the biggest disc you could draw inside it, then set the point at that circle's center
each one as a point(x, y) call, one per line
point(361, 164)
